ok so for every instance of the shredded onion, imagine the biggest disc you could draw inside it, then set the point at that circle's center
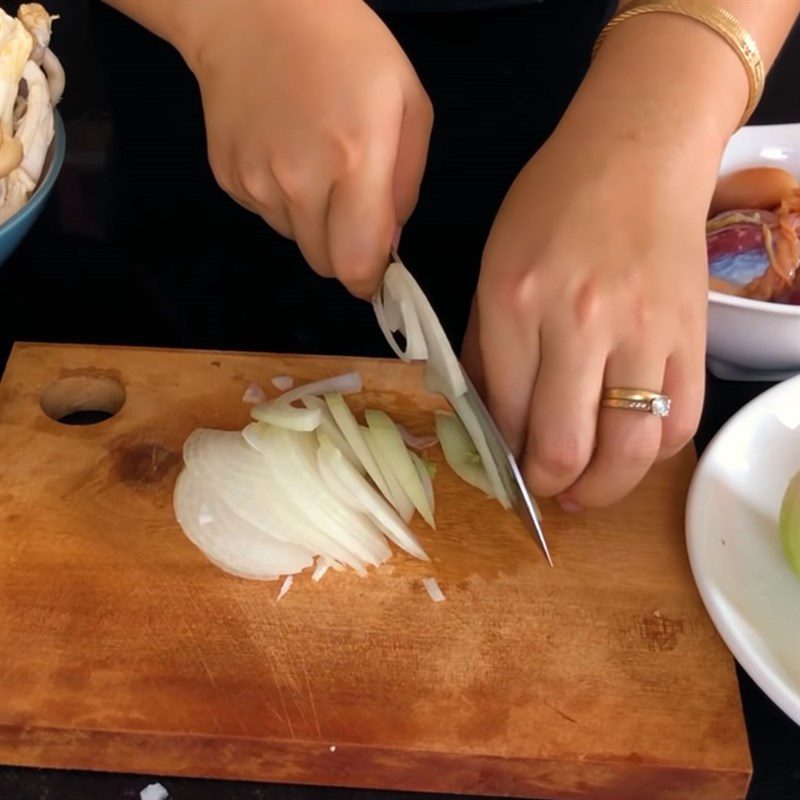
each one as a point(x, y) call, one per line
point(425, 478)
point(400, 500)
point(459, 451)
point(282, 382)
point(433, 589)
point(351, 431)
point(390, 443)
point(285, 494)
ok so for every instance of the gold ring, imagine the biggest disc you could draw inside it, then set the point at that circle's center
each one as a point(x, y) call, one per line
point(637, 400)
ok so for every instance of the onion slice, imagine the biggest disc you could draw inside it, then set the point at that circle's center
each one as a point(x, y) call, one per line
point(352, 432)
point(425, 479)
point(459, 451)
point(415, 442)
point(228, 540)
point(388, 439)
point(282, 415)
point(399, 499)
point(349, 485)
point(433, 589)
point(282, 382)
point(328, 426)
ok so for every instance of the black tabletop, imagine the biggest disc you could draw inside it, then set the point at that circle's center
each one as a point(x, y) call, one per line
point(138, 246)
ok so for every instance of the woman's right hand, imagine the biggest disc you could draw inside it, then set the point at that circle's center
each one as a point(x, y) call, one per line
point(316, 121)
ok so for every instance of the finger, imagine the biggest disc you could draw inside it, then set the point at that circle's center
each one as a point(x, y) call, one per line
point(471, 350)
point(563, 411)
point(361, 221)
point(412, 154)
point(627, 441)
point(684, 384)
point(510, 356)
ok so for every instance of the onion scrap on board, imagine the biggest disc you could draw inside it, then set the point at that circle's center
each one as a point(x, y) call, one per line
point(31, 84)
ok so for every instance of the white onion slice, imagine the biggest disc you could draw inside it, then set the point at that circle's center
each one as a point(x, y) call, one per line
point(254, 394)
point(241, 478)
point(390, 443)
point(441, 358)
point(433, 589)
point(283, 415)
point(397, 312)
point(227, 539)
point(282, 382)
point(352, 432)
point(469, 418)
point(349, 485)
point(400, 499)
point(459, 451)
point(348, 383)
point(287, 584)
point(291, 462)
point(425, 479)
point(329, 427)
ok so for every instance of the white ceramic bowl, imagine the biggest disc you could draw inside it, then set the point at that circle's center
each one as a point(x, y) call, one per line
point(750, 339)
point(741, 571)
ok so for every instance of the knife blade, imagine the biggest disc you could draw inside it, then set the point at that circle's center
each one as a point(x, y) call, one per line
point(510, 475)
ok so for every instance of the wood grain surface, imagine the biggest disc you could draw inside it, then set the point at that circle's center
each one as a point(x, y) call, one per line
point(122, 648)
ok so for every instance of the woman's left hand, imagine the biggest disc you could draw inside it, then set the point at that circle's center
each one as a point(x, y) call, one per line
point(594, 276)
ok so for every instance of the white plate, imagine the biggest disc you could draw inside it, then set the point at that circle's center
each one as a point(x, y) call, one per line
point(749, 339)
point(746, 583)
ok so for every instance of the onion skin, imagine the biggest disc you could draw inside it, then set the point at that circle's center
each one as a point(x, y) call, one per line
point(757, 187)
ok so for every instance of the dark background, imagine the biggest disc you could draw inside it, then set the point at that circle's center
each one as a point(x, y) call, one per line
point(138, 246)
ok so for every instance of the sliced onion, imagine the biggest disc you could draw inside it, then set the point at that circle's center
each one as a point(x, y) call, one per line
point(441, 358)
point(459, 451)
point(349, 383)
point(254, 394)
point(351, 487)
point(425, 478)
point(282, 382)
point(433, 589)
point(351, 431)
point(291, 462)
point(391, 445)
point(468, 416)
point(399, 499)
point(283, 415)
point(397, 312)
point(227, 539)
point(240, 476)
point(329, 427)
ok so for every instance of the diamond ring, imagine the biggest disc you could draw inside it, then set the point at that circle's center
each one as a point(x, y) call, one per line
point(637, 400)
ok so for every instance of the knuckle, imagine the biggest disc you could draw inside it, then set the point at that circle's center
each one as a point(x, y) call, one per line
point(516, 294)
point(559, 456)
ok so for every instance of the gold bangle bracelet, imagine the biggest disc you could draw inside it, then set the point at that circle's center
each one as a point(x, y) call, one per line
point(719, 20)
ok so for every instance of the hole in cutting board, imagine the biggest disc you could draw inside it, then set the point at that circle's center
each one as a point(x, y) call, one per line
point(83, 399)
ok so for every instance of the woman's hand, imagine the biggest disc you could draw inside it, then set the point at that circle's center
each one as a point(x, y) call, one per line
point(316, 121)
point(594, 276)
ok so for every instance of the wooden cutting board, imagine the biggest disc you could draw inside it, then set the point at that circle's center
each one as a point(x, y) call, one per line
point(122, 648)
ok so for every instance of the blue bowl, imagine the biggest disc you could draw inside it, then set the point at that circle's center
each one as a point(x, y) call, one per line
point(13, 231)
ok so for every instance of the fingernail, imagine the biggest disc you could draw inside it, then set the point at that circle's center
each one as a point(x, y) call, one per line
point(568, 505)
point(396, 240)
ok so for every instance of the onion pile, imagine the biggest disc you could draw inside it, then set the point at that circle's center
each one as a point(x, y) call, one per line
point(306, 485)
